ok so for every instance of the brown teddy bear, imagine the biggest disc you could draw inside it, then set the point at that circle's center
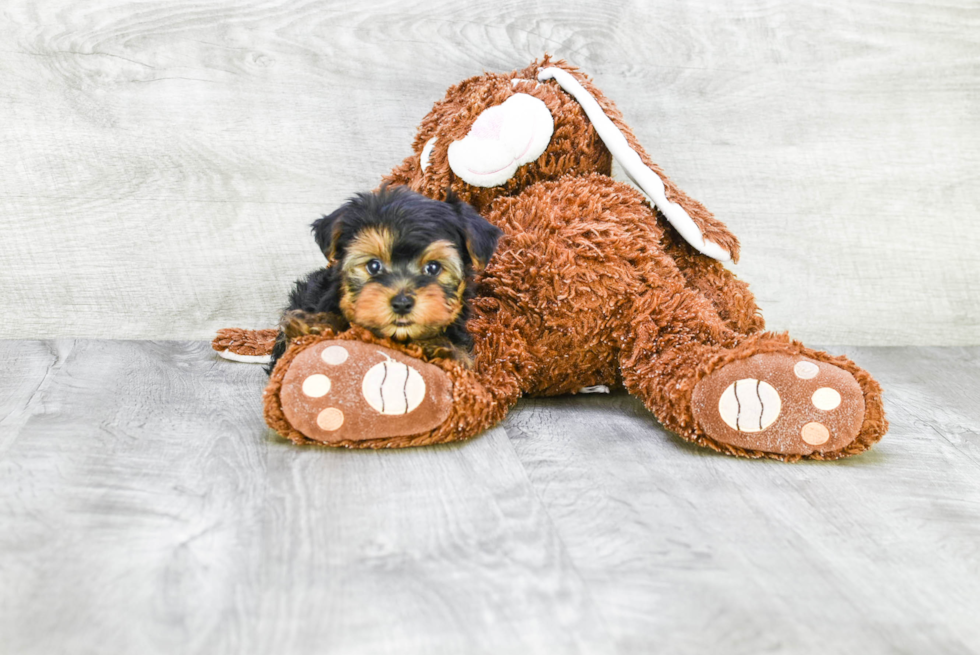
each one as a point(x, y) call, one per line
point(591, 285)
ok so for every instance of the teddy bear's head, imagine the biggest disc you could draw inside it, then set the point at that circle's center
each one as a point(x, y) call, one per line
point(495, 134)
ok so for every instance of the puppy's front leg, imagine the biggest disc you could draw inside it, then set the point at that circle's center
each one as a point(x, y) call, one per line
point(297, 323)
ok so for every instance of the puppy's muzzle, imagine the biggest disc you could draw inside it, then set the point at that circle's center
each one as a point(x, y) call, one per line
point(402, 303)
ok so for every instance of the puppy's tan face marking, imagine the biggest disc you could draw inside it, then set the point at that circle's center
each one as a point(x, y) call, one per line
point(370, 243)
point(445, 254)
point(433, 307)
point(371, 307)
point(438, 304)
point(367, 297)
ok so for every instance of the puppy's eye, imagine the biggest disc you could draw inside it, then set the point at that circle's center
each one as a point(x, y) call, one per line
point(432, 268)
point(373, 267)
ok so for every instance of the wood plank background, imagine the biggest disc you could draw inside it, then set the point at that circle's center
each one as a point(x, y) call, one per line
point(160, 161)
point(145, 508)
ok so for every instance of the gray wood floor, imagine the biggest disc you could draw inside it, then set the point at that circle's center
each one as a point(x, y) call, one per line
point(145, 508)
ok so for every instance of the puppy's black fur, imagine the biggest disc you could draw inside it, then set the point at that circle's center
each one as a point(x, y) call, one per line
point(410, 223)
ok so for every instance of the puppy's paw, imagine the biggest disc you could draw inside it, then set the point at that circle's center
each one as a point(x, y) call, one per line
point(297, 323)
point(780, 403)
point(445, 349)
point(345, 391)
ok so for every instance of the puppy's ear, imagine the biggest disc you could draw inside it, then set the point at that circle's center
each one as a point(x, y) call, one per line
point(481, 235)
point(326, 232)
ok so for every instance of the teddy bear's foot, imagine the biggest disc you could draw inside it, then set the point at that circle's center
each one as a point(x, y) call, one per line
point(338, 392)
point(781, 404)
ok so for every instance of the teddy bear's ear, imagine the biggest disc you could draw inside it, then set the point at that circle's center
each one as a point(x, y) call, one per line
point(503, 138)
point(694, 223)
point(481, 235)
point(326, 231)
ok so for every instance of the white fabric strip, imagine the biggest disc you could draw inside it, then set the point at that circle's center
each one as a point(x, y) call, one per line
point(247, 359)
point(639, 172)
point(427, 152)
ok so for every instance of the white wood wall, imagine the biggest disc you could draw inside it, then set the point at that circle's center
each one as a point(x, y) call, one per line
point(160, 161)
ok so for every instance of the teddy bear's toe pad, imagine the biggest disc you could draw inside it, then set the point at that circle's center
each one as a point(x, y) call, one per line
point(352, 391)
point(778, 403)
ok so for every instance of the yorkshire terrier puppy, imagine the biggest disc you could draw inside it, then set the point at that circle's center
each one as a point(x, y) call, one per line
point(399, 264)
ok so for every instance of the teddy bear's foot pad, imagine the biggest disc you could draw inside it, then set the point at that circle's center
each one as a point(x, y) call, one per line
point(338, 391)
point(777, 403)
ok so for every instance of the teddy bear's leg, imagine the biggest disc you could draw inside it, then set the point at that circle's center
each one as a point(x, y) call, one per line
point(730, 296)
point(252, 346)
point(346, 392)
point(358, 391)
point(762, 395)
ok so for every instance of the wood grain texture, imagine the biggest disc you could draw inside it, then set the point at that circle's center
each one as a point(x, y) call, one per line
point(687, 551)
point(160, 161)
point(144, 508)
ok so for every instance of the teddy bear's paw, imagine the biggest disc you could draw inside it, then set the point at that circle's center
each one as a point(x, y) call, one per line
point(342, 391)
point(779, 403)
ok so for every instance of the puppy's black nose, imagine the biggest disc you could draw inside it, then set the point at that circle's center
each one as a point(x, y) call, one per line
point(402, 303)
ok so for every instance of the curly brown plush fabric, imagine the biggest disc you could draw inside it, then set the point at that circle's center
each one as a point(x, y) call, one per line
point(575, 149)
point(250, 343)
point(471, 408)
point(873, 427)
point(590, 285)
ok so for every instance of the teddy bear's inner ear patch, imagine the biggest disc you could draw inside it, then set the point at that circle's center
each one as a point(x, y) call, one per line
point(501, 139)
